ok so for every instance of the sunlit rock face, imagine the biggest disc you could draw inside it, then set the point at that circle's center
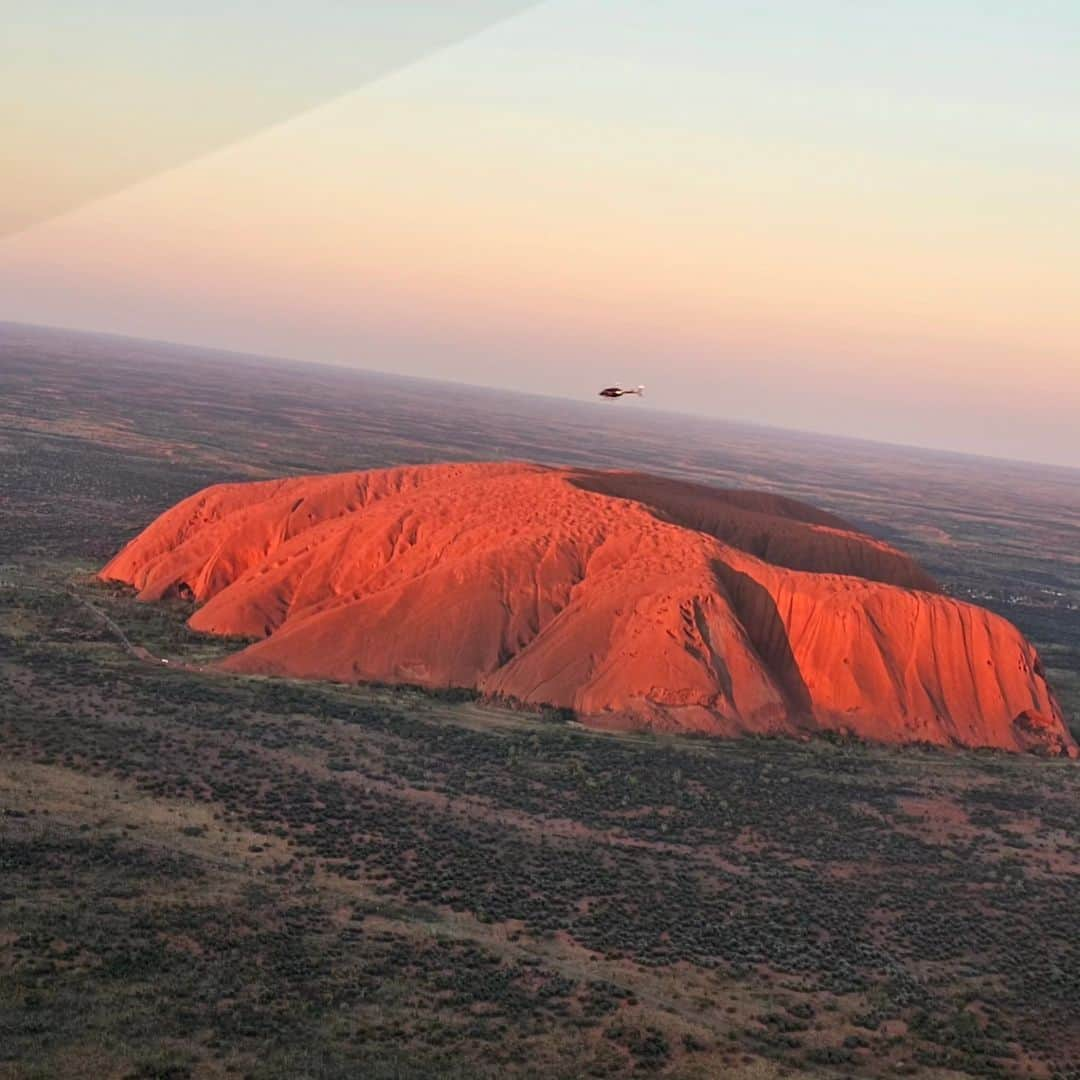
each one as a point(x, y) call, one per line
point(636, 601)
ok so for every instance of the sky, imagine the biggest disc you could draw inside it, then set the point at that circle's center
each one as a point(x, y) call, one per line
point(861, 218)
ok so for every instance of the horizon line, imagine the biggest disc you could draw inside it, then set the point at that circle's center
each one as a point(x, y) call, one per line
point(649, 408)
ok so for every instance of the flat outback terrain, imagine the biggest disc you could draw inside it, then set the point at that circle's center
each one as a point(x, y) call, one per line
point(214, 874)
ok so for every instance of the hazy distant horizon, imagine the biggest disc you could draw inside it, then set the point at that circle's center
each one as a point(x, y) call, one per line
point(833, 217)
point(639, 405)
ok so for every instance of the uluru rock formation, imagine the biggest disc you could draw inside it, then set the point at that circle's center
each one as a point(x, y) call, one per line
point(636, 601)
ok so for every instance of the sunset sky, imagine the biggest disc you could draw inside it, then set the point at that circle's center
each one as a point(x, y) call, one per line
point(852, 217)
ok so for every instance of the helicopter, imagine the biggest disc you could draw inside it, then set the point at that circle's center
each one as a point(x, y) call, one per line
point(618, 392)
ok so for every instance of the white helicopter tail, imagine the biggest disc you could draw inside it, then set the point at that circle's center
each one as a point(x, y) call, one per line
point(639, 390)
